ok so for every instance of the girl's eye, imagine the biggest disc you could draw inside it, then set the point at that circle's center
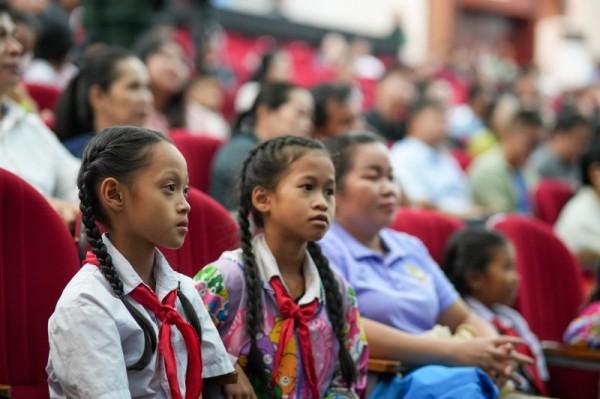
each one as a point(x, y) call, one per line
point(186, 190)
point(307, 187)
point(170, 187)
point(330, 192)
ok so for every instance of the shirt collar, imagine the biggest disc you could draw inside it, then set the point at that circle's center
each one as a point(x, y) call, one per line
point(360, 251)
point(488, 314)
point(166, 278)
point(12, 113)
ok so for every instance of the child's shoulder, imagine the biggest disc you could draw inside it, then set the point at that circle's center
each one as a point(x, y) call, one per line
point(228, 267)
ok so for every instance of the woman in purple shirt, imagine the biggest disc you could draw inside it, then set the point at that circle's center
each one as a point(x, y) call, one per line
point(401, 291)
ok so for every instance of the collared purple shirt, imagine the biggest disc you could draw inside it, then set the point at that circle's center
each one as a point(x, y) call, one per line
point(405, 288)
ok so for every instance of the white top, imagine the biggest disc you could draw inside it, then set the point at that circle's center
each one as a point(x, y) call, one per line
point(31, 151)
point(93, 337)
point(579, 222)
point(245, 96)
point(512, 319)
point(428, 174)
point(41, 72)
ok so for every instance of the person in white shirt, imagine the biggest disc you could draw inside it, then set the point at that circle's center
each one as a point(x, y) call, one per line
point(27, 147)
point(127, 325)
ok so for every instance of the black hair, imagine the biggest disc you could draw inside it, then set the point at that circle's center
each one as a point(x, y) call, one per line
point(119, 152)
point(74, 113)
point(324, 93)
point(260, 73)
point(470, 251)
point(340, 148)
point(54, 40)
point(264, 166)
point(567, 119)
point(421, 104)
point(475, 90)
point(591, 156)
point(595, 295)
point(272, 95)
point(527, 117)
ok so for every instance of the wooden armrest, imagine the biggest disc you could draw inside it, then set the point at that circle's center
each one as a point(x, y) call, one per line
point(224, 379)
point(5, 391)
point(558, 354)
point(384, 366)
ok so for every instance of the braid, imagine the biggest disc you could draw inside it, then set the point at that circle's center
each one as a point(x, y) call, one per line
point(333, 300)
point(254, 316)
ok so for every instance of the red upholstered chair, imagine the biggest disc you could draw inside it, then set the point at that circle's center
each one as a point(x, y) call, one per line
point(549, 197)
point(45, 96)
point(550, 294)
point(198, 152)
point(37, 260)
point(431, 227)
point(211, 231)
point(463, 158)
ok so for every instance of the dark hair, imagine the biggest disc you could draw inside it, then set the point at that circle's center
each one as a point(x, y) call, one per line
point(264, 166)
point(118, 152)
point(421, 104)
point(272, 95)
point(526, 117)
point(324, 93)
point(567, 119)
point(591, 156)
point(398, 68)
point(470, 250)
point(595, 295)
point(74, 113)
point(341, 149)
point(475, 90)
point(260, 73)
point(54, 39)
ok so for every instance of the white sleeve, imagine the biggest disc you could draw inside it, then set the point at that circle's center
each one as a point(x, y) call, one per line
point(86, 358)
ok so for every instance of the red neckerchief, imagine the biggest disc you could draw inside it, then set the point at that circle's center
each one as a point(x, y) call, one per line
point(295, 315)
point(523, 349)
point(168, 315)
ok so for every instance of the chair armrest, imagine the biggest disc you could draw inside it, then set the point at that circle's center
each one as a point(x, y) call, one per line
point(384, 366)
point(558, 354)
point(224, 379)
point(5, 391)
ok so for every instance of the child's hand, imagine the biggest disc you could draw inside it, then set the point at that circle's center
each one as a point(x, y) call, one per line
point(495, 356)
point(242, 389)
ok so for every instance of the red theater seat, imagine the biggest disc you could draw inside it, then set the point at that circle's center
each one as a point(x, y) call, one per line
point(549, 197)
point(433, 228)
point(37, 260)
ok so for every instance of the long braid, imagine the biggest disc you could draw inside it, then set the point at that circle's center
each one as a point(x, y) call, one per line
point(335, 310)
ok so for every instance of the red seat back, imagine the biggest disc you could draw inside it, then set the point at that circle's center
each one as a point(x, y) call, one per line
point(198, 152)
point(45, 96)
point(549, 197)
point(550, 294)
point(433, 228)
point(211, 231)
point(37, 260)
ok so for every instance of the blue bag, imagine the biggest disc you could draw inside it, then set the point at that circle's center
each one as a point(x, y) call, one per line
point(437, 382)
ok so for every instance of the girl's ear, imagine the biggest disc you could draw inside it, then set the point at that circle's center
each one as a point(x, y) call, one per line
point(110, 194)
point(474, 280)
point(95, 96)
point(261, 199)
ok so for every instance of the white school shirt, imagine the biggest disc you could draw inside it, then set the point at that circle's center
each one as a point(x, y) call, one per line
point(31, 151)
point(93, 337)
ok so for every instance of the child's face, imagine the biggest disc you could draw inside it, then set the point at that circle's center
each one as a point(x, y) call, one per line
point(500, 282)
point(302, 205)
point(154, 206)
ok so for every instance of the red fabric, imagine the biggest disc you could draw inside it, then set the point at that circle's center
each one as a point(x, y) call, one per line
point(168, 315)
point(45, 96)
point(37, 260)
point(549, 197)
point(523, 349)
point(550, 294)
point(433, 228)
point(295, 316)
point(198, 152)
point(463, 158)
point(211, 232)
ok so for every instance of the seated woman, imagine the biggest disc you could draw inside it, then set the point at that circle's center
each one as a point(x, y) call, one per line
point(578, 224)
point(110, 89)
point(402, 293)
point(481, 265)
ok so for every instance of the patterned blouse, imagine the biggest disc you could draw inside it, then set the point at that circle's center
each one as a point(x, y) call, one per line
point(585, 329)
point(222, 287)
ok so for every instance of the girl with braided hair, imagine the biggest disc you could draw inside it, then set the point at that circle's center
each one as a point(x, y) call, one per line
point(289, 322)
point(127, 325)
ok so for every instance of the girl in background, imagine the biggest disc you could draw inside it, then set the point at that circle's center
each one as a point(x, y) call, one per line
point(291, 324)
point(127, 325)
point(481, 265)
